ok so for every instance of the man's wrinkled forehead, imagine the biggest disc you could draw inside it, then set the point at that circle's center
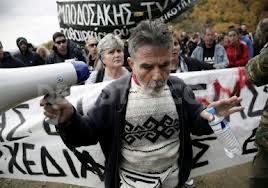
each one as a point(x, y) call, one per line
point(153, 58)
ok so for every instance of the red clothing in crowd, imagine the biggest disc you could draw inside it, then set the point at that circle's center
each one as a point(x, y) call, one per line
point(237, 55)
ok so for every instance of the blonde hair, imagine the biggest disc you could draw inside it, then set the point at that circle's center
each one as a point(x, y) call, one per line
point(43, 52)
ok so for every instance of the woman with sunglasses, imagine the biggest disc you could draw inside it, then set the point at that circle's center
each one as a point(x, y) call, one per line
point(110, 52)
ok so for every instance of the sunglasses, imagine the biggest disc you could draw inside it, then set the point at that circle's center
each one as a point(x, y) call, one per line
point(93, 44)
point(60, 41)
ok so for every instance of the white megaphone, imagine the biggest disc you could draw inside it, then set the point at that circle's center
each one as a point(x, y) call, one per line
point(22, 84)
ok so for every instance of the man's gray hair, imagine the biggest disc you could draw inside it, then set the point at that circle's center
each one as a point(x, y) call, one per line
point(110, 41)
point(148, 32)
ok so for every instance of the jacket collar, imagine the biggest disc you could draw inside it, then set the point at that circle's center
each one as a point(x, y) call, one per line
point(124, 90)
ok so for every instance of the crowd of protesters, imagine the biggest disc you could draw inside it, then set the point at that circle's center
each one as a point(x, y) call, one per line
point(231, 49)
point(197, 51)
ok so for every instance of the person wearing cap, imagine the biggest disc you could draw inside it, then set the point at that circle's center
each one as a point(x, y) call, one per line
point(7, 61)
point(28, 57)
point(63, 50)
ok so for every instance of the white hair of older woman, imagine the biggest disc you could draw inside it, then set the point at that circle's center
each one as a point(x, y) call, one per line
point(110, 41)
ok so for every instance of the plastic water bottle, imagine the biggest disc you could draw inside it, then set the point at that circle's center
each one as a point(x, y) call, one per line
point(225, 135)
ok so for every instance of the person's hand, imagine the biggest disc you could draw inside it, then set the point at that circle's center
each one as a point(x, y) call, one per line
point(62, 110)
point(224, 107)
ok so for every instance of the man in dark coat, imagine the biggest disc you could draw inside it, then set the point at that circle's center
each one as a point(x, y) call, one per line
point(142, 121)
point(7, 61)
point(28, 57)
point(63, 50)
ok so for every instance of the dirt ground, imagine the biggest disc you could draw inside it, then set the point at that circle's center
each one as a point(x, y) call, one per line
point(228, 178)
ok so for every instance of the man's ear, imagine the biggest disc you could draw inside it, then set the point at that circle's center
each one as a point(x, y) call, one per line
point(130, 62)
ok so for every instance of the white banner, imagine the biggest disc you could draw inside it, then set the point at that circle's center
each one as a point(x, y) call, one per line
point(31, 149)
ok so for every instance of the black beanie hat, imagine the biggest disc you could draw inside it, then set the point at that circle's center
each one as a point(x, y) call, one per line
point(20, 40)
point(56, 35)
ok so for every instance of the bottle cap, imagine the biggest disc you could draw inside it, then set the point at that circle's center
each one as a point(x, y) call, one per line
point(211, 110)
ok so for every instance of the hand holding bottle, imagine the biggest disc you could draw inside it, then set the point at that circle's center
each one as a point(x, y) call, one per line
point(215, 114)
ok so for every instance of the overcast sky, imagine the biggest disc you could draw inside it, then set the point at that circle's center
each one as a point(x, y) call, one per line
point(35, 20)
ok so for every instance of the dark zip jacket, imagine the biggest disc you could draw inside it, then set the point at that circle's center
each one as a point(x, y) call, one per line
point(10, 62)
point(30, 58)
point(105, 123)
point(72, 53)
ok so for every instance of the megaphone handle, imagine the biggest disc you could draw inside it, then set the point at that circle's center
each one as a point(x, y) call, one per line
point(52, 98)
point(53, 121)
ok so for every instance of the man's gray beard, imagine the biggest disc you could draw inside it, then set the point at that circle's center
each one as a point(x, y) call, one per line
point(153, 88)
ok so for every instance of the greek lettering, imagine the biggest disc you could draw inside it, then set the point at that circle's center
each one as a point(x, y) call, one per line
point(1, 154)
point(204, 147)
point(27, 163)
point(13, 163)
point(10, 135)
point(46, 156)
point(91, 14)
point(149, 10)
point(250, 139)
point(70, 163)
